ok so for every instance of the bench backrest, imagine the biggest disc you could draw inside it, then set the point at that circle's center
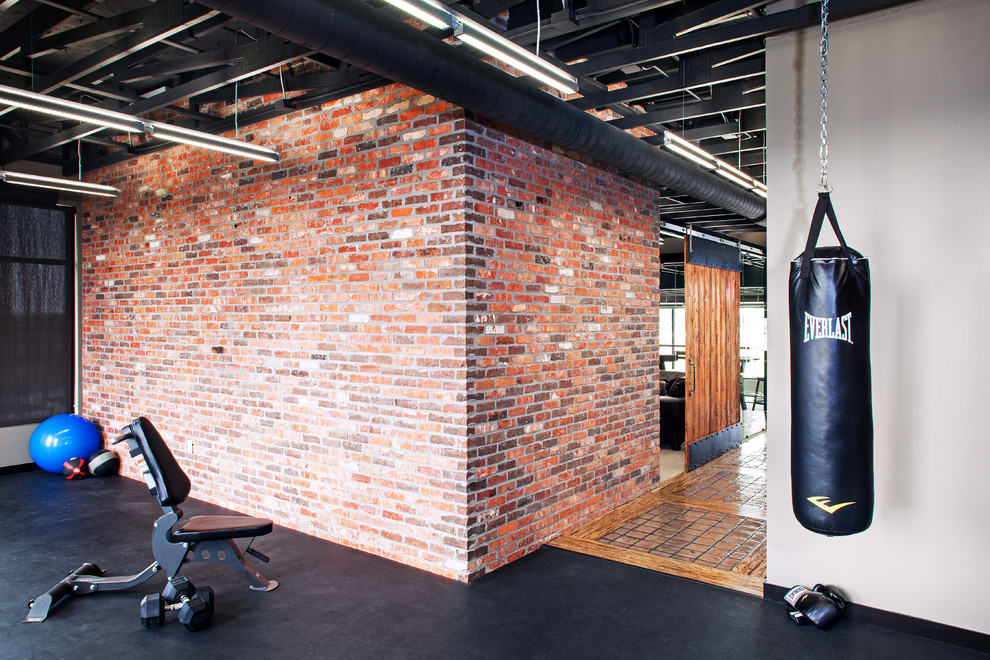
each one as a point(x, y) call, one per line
point(171, 483)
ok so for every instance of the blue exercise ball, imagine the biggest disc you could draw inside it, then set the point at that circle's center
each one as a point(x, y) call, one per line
point(59, 438)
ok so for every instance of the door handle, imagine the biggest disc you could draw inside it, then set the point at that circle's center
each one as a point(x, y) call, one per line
point(694, 375)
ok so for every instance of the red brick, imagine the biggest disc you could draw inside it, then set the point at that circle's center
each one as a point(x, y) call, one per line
point(424, 338)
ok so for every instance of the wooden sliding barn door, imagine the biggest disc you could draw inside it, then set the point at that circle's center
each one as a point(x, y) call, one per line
point(711, 299)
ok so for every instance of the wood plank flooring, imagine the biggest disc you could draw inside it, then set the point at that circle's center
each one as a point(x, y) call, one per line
point(707, 525)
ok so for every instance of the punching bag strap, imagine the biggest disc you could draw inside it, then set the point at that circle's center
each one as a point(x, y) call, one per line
point(823, 208)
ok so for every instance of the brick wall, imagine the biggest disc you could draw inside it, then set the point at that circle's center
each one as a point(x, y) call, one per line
point(415, 335)
point(295, 328)
point(563, 350)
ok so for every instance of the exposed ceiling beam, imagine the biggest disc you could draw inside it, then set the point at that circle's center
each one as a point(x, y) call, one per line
point(98, 29)
point(563, 23)
point(728, 223)
point(318, 83)
point(663, 44)
point(361, 83)
point(723, 100)
point(171, 67)
point(753, 158)
point(711, 14)
point(695, 72)
point(259, 57)
point(191, 35)
point(695, 41)
point(489, 8)
point(170, 19)
point(27, 27)
point(119, 93)
point(721, 129)
point(697, 214)
point(733, 146)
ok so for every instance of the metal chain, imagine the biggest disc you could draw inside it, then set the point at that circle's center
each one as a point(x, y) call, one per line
point(823, 150)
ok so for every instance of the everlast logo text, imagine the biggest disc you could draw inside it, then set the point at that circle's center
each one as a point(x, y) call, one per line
point(816, 327)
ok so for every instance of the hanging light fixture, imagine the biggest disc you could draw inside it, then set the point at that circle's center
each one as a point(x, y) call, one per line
point(437, 17)
point(695, 154)
point(476, 35)
point(210, 141)
point(69, 110)
point(685, 149)
point(51, 183)
point(129, 123)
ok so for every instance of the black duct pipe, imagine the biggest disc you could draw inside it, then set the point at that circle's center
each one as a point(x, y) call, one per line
point(353, 32)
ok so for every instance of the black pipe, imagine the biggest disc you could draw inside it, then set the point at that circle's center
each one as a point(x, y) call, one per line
point(353, 32)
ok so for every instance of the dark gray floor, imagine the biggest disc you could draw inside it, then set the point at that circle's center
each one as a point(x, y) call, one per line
point(334, 602)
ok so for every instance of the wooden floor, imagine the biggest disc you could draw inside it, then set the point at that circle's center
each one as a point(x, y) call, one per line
point(707, 525)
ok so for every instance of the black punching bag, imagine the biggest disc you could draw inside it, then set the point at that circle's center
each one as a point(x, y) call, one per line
point(831, 394)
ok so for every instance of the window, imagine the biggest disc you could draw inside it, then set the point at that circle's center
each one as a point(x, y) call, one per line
point(36, 313)
point(753, 340)
point(671, 335)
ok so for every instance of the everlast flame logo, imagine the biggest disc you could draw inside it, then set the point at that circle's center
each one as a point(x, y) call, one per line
point(839, 327)
point(823, 503)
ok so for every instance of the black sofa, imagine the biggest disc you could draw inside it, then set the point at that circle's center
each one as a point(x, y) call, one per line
point(672, 396)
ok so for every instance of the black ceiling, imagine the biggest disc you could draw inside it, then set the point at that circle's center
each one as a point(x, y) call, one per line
point(695, 67)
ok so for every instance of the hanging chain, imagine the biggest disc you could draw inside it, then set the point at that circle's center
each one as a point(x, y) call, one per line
point(823, 150)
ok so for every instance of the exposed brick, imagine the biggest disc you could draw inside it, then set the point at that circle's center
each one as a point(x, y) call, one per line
point(417, 334)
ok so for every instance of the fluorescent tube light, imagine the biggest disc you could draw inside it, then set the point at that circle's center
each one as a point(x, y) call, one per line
point(671, 138)
point(422, 12)
point(739, 173)
point(515, 63)
point(69, 110)
point(503, 49)
point(742, 183)
point(492, 43)
point(684, 153)
point(131, 124)
point(68, 185)
point(209, 141)
point(687, 150)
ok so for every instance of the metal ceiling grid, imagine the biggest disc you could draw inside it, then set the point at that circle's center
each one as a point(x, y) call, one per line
point(693, 67)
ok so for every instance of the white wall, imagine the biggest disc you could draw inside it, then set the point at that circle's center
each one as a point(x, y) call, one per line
point(14, 445)
point(909, 142)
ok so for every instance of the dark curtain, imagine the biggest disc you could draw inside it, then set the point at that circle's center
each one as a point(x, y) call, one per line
point(36, 313)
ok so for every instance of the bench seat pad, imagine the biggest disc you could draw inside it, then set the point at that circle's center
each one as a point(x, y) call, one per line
point(213, 528)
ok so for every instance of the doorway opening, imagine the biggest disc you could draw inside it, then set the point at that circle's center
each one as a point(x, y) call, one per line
point(708, 523)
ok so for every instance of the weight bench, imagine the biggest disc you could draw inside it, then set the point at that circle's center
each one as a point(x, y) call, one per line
point(174, 542)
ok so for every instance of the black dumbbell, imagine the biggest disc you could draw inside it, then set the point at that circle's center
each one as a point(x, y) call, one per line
point(152, 611)
point(195, 606)
point(177, 588)
point(196, 612)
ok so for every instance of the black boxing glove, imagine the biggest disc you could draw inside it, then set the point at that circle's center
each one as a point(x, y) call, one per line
point(817, 607)
point(833, 593)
